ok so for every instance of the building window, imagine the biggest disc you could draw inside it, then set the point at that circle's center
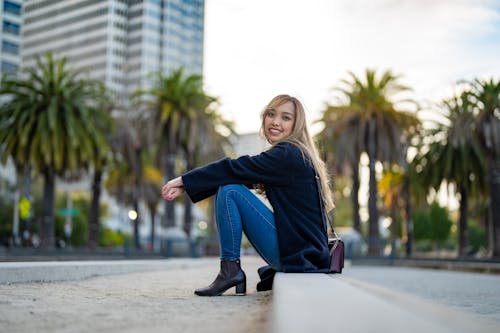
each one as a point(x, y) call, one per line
point(11, 7)
point(11, 28)
point(8, 68)
point(153, 14)
point(9, 47)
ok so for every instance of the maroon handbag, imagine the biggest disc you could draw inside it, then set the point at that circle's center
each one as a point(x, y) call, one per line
point(336, 247)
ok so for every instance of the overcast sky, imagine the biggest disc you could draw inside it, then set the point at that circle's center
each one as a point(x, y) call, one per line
point(256, 49)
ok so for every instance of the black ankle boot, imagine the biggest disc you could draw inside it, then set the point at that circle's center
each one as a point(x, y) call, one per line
point(230, 275)
point(266, 274)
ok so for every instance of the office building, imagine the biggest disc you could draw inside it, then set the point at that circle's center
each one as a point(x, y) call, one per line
point(10, 36)
point(119, 42)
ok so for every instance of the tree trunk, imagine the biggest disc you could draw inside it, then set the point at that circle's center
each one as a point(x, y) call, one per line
point(373, 232)
point(168, 166)
point(20, 223)
point(355, 197)
point(495, 205)
point(152, 212)
point(394, 231)
point(488, 222)
point(47, 222)
point(188, 205)
point(137, 243)
point(188, 216)
point(137, 196)
point(463, 229)
point(25, 226)
point(15, 219)
point(94, 210)
point(408, 219)
point(169, 217)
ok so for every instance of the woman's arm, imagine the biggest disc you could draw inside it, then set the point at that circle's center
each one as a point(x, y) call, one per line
point(274, 167)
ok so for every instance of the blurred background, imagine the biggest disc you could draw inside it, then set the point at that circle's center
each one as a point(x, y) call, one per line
point(102, 101)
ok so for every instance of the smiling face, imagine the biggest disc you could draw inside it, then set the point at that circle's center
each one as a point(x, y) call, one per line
point(279, 122)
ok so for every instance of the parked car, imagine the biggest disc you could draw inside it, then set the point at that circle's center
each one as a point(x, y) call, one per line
point(355, 245)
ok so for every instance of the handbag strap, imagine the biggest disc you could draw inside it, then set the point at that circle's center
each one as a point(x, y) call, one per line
point(323, 208)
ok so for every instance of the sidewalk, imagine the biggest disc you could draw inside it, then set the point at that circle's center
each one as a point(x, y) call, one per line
point(50, 271)
point(463, 265)
point(157, 296)
point(153, 301)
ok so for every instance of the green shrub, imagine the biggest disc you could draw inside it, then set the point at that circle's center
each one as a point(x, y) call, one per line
point(6, 216)
point(434, 225)
point(421, 226)
point(80, 222)
point(108, 237)
point(423, 245)
point(79, 231)
point(440, 223)
point(59, 222)
point(477, 236)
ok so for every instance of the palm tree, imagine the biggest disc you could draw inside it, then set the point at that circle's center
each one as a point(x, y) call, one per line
point(412, 191)
point(485, 96)
point(53, 121)
point(124, 180)
point(368, 111)
point(454, 155)
point(123, 184)
point(152, 182)
point(104, 156)
point(343, 151)
point(173, 103)
point(204, 143)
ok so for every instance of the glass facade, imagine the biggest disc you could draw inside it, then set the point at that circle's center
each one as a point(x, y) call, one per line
point(11, 28)
point(118, 41)
point(183, 36)
point(12, 7)
point(8, 67)
point(10, 36)
point(9, 47)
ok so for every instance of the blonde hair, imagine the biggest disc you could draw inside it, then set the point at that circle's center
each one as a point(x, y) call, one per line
point(300, 137)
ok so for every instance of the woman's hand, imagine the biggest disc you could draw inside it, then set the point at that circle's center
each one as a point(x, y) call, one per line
point(172, 189)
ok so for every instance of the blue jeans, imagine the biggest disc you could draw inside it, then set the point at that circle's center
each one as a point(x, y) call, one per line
point(236, 210)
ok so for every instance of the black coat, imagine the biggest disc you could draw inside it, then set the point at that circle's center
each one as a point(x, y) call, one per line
point(291, 188)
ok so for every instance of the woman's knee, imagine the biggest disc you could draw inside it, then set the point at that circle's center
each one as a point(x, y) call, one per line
point(224, 190)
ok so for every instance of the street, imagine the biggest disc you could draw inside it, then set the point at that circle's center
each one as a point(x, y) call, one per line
point(474, 293)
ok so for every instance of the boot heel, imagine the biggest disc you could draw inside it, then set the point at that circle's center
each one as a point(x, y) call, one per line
point(241, 289)
point(230, 275)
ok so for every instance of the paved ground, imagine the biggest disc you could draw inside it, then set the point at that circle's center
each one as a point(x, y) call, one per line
point(474, 293)
point(161, 301)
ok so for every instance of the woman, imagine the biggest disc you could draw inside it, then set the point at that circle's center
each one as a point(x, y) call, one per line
point(292, 237)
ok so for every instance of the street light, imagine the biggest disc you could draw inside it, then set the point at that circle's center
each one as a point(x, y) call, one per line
point(202, 225)
point(132, 214)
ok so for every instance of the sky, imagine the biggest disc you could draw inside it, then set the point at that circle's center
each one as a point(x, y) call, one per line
point(256, 49)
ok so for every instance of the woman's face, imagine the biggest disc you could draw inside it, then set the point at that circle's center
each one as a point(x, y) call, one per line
point(278, 122)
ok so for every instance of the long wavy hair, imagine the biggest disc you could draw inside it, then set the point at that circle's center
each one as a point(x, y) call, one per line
point(300, 137)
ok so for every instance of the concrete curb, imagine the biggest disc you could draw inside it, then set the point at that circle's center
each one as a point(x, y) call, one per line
point(22, 272)
point(320, 302)
point(478, 266)
point(452, 265)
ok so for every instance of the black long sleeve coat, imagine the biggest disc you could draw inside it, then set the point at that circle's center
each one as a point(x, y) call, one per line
point(291, 188)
